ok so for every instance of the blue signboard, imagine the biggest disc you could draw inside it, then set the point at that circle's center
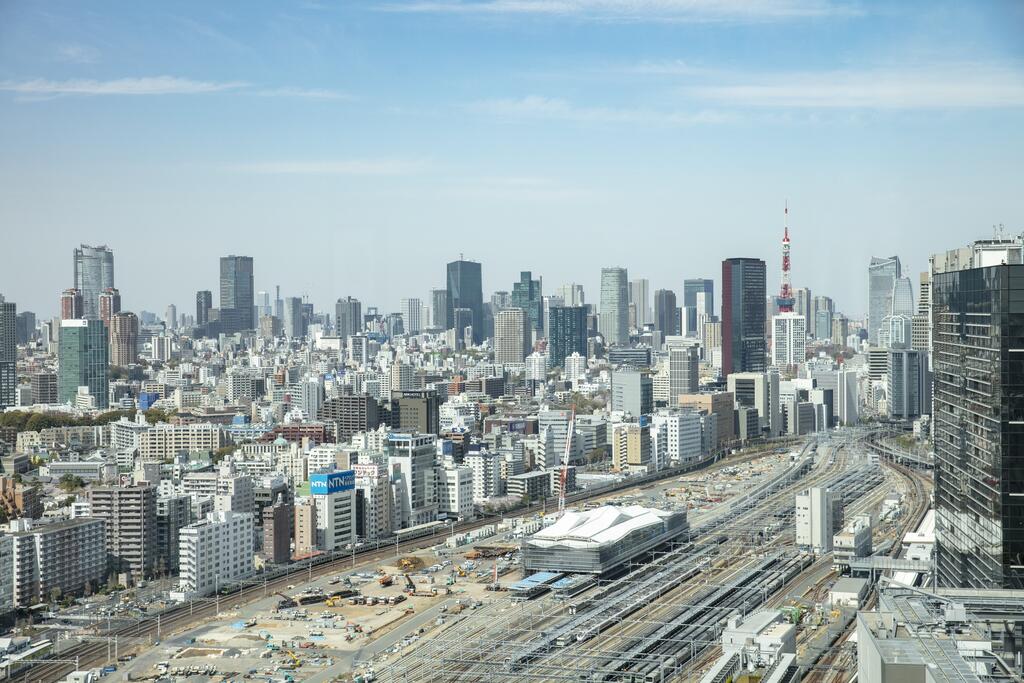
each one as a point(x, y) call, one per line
point(332, 482)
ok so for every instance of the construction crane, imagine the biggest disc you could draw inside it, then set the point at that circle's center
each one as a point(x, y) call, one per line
point(565, 461)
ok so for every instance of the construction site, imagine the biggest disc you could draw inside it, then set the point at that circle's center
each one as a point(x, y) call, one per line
point(674, 609)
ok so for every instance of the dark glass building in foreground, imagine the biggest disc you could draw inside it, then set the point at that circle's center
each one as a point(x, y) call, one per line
point(978, 356)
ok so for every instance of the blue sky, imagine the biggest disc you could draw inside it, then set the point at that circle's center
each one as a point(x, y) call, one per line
point(353, 148)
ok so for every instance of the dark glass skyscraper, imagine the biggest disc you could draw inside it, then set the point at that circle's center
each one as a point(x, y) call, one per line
point(568, 333)
point(8, 353)
point(526, 294)
point(978, 328)
point(204, 302)
point(744, 348)
point(665, 312)
point(348, 317)
point(465, 290)
point(237, 294)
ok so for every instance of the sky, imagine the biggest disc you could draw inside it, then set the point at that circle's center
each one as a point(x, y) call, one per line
point(353, 148)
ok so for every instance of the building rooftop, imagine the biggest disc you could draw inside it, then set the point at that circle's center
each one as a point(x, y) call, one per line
point(597, 527)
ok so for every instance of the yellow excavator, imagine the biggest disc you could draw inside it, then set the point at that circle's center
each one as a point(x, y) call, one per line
point(295, 660)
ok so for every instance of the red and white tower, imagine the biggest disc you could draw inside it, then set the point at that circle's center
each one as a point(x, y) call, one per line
point(785, 299)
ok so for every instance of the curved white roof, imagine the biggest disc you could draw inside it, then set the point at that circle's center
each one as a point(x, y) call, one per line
point(593, 528)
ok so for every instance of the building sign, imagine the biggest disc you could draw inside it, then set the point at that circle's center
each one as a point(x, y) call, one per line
point(332, 482)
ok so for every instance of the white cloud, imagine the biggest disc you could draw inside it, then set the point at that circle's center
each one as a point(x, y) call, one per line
point(936, 87)
point(354, 167)
point(637, 10)
point(78, 54)
point(308, 93)
point(150, 85)
point(538, 107)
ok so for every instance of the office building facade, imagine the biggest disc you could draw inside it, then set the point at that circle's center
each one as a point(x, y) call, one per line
point(882, 275)
point(614, 321)
point(237, 294)
point(83, 352)
point(465, 291)
point(743, 316)
point(8, 353)
point(94, 272)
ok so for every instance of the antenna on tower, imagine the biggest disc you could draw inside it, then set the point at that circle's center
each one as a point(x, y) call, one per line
point(785, 300)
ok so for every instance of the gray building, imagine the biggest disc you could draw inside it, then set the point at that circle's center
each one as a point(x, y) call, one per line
point(237, 294)
point(204, 303)
point(567, 333)
point(614, 321)
point(665, 312)
point(348, 317)
point(94, 272)
point(8, 353)
point(744, 346)
point(908, 384)
point(129, 514)
point(632, 391)
point(882, 274)
point(465, 291)
point(439, 309)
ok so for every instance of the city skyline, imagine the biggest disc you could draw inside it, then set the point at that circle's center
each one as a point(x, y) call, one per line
point(571, 127)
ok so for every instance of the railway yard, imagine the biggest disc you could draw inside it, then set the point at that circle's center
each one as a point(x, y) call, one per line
point(440, 609)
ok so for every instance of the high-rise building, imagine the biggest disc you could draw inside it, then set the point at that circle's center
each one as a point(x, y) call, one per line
point(527, 294)
point(465, 291)
point(760, 391)
point(439, 303)
point(82, 360)
point(66, 556)
point(665, 312)
point(902, 297)
point(71, 304)
point(572, 294)
point(25, 327)
point(976, 317)
point(124, 339)
point(110, 304)
point(8, 353)
point(411, 316)
point(639, 296)
point(632, 391)
point(814, 519)
point(413, 462)
point(44, 388)
point(695, 286)
point(683, 375)
point(511, 336)
point(293, 327)
point(94, 272)
point(215, 551)
point(204, 302)
point(129, 516)
point(171, 317)
point(743, 316)
point(907, 384)
point(614, 322)
point(882, 275)
point(334, 496)
point(567, 333)
point(348, 317)
point(789, 340)
point(236, 294)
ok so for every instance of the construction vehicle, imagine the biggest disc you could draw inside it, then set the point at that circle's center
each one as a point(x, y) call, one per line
point(296, 662)
point(332, 602)
point(285, 602)
point(407, 564)
point(473, 554)
point(410, 586)
point(462, 572)
point(386, 580)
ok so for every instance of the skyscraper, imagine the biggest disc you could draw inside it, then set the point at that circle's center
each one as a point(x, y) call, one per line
point(882, 274)
point(511, 336)
point(71, 305)
point(171, 317)
point(683, 375)
point(665, 312)
point(236, 294)
point(124, 338)
point(692, 287)
point(8, 353)
point(572, 294)
point(614, 322)
point(412, 315)
point(639, 296)
point(82, 360)
point(94, 272)
point(348, 317)
point(527, 295)
point(567, 334)
point(902, 297)
point(789, 340)
point(743, 315)
point(109, 304)
point(465, 290)
point(439, 303)
point(293, 320)
point(204, 302)
point(978, 407)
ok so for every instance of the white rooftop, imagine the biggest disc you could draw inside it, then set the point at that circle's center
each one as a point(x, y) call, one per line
point(597, 527)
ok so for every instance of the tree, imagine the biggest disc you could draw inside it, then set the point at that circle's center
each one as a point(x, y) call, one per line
point(55, 594)
point(70, 482)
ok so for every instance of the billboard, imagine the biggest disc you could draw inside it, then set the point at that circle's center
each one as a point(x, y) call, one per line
point(331, 482)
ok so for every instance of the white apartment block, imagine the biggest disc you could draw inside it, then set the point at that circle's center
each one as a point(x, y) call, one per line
point(215, 551)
